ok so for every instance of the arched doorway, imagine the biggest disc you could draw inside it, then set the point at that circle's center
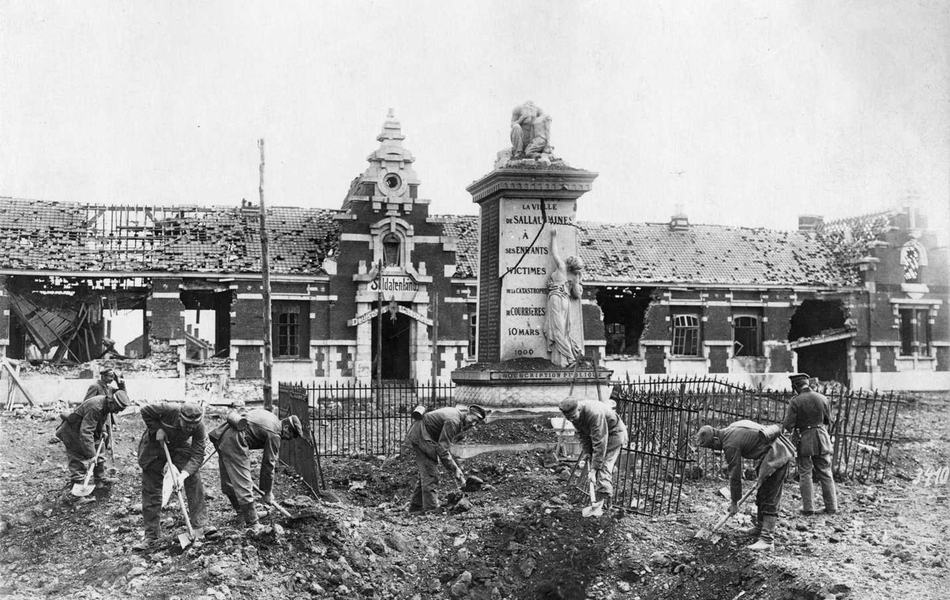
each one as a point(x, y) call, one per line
point(395, 349)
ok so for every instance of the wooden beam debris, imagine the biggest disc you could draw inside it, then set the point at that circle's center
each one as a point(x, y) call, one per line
point(16, 379)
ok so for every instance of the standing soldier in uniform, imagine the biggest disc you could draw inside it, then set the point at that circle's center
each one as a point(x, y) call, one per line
point(809, 415)
point(602, 434)
point(259, 429)
point(431, 439)
point(182, 429)
point(104, 385)
point(83, 429)
point(109, 383)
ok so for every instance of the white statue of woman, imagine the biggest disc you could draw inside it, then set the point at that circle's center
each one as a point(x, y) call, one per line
point(562, 290)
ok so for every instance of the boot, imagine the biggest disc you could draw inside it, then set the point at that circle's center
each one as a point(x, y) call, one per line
point(234, 502)
point(604, 498)
point(808, 494)
point(149, 544)
point(756, 527)
point(766, 541)
point(250, 515)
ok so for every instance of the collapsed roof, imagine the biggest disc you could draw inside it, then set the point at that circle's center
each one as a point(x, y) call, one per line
point(38, 235)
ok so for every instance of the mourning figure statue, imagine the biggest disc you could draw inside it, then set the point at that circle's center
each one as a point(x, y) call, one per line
point(562, 291)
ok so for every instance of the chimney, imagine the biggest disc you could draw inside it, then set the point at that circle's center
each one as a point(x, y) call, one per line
point(679, 221)
point(811, 222)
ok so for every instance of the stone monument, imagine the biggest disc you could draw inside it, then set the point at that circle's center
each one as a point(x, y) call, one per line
point(530, 345)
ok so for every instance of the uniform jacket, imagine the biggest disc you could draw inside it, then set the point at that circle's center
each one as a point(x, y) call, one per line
point(166, 416)
point(262, 433)
point(83, 427)
point(595, 424)
point(435, 433)
point(99, 389)
point(741, 439)
point(810, 414)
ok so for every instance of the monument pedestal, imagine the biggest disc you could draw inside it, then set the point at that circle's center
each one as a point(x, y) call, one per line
point(530, 385)
point(530, 303)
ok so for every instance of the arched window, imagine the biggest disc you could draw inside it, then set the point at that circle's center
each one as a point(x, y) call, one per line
point(391, 250)
point(913, 259)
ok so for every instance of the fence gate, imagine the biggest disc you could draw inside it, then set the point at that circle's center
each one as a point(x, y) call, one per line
point(299, 454)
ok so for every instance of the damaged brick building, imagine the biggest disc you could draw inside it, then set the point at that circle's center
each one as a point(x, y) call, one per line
point(861, 301)
point(363, 289)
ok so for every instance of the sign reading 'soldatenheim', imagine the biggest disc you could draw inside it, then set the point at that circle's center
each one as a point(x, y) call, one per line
point(525, 263)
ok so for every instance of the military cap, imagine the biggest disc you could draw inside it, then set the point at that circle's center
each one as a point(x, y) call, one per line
point(477, 410)
point(568, 405)
point(121, 399)
point(191, 412)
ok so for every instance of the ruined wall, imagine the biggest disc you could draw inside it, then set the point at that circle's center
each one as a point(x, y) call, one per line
point(166, 311)
point(718, 309)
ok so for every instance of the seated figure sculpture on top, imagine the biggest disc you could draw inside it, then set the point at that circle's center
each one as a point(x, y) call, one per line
point(530, 136)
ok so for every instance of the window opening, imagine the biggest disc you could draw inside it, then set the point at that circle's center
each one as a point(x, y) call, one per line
point(686, 335)
point(915, 332)
point(291, 330)
point(746, 336)
point(391, 250)
point(472, 334)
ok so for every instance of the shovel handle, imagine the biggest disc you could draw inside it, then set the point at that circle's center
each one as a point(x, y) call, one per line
point(95, 457)
point(181, 497)
point(745, 497)
point(283, 510)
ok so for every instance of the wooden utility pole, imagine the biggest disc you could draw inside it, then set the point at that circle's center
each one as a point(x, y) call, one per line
point(265, 285)
point(379, 332)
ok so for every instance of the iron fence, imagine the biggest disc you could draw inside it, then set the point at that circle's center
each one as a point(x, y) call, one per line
point(862, 422)
point(352, 419)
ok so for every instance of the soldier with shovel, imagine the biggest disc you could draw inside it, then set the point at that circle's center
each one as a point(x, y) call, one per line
point(602, 434)
point(750, 440)
point(234, 439)
point(81, 431)
point(180, 427)
point(431, 438)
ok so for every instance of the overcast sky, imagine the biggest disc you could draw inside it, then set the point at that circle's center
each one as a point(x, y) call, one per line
point(743, 112)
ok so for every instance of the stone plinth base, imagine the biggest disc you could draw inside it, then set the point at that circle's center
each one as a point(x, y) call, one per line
point(528, 384)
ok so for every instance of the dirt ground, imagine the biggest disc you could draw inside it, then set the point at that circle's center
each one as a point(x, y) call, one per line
point(523, 538)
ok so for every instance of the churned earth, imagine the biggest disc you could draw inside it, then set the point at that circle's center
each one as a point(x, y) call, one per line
point(522, 537)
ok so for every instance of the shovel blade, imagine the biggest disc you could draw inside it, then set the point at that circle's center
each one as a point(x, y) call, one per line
point(184, 540)
point(81, 491)
point(594, 510)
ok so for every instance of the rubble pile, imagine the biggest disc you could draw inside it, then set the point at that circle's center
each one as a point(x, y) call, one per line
point(521, 536)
